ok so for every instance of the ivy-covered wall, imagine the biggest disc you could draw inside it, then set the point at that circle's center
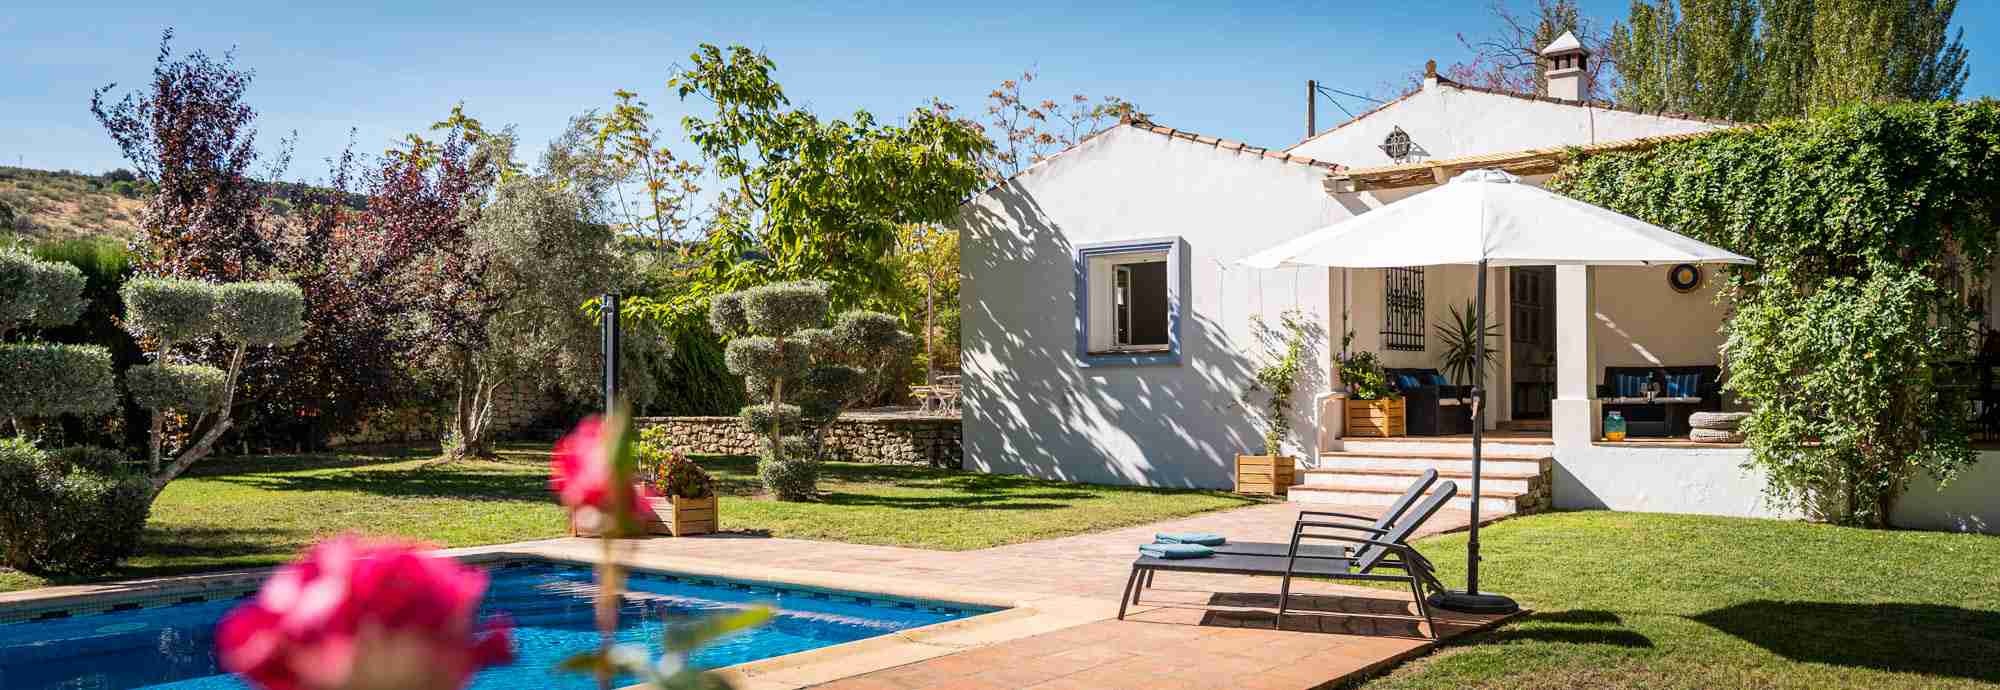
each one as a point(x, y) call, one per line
point(1874, 227)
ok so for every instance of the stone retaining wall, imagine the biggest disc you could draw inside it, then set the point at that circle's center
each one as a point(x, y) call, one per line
point(895, 439)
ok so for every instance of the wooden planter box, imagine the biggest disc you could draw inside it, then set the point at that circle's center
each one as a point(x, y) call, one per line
point(672, 515)
point(683, 516)
point(1382, 417)
point(1265, 475)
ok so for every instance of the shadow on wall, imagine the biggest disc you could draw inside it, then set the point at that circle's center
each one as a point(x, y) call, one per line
point(1030, 409)
point(1924, 639)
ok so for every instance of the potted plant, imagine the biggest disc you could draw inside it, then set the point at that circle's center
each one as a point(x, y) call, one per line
point(1373, 407)
point(1271, 474)
point(686, 503)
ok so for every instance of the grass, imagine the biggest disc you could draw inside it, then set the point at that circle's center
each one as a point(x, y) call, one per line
point(1632, 600)
point(235, 513)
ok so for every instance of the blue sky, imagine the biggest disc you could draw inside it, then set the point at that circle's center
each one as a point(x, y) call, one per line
point(385, 68)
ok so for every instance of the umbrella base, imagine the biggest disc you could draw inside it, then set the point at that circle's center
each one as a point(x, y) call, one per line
point(1474, 603)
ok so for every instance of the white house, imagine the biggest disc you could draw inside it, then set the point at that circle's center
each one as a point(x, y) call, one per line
point(1110, 336)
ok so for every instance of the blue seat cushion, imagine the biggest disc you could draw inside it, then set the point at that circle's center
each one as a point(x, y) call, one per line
point(1437, 379)
point(1684, 385)
point(1407, 382)
point(1632, 385)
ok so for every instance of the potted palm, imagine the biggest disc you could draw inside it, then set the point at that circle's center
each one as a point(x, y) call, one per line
point(1460, 346)
point(1373, 407)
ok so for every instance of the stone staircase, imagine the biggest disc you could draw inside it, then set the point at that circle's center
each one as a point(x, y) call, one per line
point(1514, 478)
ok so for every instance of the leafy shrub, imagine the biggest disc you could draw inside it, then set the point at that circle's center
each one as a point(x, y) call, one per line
point(792, 478)
point(121, 175)
point(46, 379)
point(764, 357)
point(760, 415)
point(669, 469)
point(6, 216)
point(171, 310)
point(725, 314)
point(67, 520)
point(1365, 379)
point(785, 307)
point(45, 293)
point(263, 313)
point(184, 387)
point(100, 460)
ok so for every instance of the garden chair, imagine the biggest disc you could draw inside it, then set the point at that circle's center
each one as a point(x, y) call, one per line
point(1373, 555)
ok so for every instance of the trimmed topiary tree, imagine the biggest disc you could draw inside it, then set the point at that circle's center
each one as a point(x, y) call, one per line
point(74, 510)
point(800, 372)
point(46, 379)
point(164, 314)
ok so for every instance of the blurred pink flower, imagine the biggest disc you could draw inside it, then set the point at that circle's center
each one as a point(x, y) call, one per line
point(360, 614)
point(580, 472)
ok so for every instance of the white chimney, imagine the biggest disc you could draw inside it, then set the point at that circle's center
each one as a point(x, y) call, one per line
point(1569, 74)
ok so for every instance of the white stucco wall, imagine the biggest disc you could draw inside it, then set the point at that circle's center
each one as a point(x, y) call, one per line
point(1031, 409)
point(1970, 503)
point(1704, 481)
point(1640, 320)
point(1713, 481)
point(1445, 121)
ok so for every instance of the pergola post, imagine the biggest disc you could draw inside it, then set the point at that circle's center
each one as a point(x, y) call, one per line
point(1575, 415)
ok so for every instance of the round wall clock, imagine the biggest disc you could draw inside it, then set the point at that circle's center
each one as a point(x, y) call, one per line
point(1684, 277)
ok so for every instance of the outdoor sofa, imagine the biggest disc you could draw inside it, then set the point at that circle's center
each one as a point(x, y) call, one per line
point(1666, 414)
point(1432, 406)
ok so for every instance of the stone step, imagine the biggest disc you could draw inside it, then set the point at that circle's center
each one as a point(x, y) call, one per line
point(1399, 479)
point(1449, 446)
point(1518, 463)
point(1491, 503)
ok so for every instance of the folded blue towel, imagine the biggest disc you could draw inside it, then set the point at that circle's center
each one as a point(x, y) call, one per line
point(1202, 538)
point(1175, 551)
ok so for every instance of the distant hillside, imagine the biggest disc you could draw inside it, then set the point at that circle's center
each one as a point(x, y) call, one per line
point(48, 205)
point(43, 205)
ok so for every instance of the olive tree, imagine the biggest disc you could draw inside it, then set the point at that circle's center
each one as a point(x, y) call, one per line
point(165, 314)
point(800, 371)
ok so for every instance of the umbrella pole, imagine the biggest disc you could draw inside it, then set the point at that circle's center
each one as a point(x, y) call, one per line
point(1470, 600)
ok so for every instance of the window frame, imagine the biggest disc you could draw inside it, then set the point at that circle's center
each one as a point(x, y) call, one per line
point(1144, 355)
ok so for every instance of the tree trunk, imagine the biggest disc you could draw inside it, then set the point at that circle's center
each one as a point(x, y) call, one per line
point(468, 427)
point(200, 448)
point(930, 330)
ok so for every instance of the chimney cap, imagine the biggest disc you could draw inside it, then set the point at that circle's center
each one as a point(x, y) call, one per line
point(1566, 43)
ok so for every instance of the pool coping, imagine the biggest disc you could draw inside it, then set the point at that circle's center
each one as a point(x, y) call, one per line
point(1017, 616)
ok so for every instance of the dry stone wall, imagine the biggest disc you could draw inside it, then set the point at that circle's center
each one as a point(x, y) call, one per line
point(886, 439)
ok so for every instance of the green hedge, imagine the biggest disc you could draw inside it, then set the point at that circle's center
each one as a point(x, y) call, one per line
point(61, 519)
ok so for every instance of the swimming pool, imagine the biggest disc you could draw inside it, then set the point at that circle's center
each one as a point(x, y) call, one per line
point(172, 644)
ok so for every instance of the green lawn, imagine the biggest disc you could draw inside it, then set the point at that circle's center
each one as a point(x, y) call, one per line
point(233, 513)
point(1631, 600)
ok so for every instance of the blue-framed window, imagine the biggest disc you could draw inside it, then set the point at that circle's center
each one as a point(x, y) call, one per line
point(1128, 302)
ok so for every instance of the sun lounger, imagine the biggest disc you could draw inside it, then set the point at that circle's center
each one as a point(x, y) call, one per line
point(1376, 525)
point(1389, 551)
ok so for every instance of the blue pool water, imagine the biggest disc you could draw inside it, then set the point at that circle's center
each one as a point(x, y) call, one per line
point(173, 646)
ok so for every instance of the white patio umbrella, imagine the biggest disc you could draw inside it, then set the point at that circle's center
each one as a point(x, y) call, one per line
point(1488, 218)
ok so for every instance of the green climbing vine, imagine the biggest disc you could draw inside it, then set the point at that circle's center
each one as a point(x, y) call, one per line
point(1285, 352)
point(1873, 227)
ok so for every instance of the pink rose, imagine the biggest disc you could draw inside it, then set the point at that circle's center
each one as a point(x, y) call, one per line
point(582, 470)
point(360, 614)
